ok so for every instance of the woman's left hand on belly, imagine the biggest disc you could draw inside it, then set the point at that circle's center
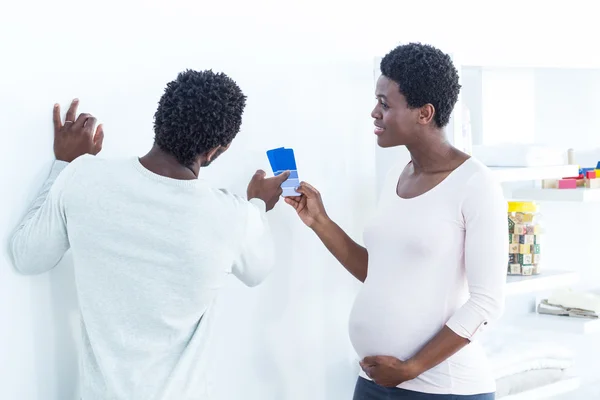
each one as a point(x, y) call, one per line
point(388, 371)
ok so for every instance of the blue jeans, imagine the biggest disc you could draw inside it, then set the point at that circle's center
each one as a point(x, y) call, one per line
point(367, 390)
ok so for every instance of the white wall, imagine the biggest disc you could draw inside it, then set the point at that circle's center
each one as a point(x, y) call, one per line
point(300, 95)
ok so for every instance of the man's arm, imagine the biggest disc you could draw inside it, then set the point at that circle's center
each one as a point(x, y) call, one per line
point(40, 240)
point(257, 256)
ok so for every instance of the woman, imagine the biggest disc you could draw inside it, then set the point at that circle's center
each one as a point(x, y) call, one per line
point(434, 261)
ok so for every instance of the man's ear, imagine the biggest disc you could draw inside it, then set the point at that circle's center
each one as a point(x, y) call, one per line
point(216, 151)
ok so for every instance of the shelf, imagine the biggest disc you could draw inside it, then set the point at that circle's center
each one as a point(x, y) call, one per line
point(547, 280)
point(516, 174)
point(580, 195)
point(559, 324)
point(547, 391)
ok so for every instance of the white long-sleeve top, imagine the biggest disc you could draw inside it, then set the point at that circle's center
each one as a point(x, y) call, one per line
point(436, 259)
point(150, 253)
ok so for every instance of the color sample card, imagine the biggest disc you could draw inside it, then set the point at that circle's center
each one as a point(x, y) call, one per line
point(281, 160)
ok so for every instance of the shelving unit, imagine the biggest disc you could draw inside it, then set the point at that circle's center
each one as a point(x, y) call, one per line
point(516, 174)
point(560, 324)
point(579, 195)
point(547, 280)
point(548, 391)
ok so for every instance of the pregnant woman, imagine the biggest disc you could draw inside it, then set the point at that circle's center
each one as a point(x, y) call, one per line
point(435, 255)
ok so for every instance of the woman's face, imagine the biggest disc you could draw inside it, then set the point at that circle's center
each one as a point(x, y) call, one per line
point(395, 123)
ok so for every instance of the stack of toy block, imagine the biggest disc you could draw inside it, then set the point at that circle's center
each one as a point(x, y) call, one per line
point(588, 178)
point(524, 237)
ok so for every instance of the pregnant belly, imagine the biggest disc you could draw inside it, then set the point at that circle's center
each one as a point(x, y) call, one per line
point(392, 325)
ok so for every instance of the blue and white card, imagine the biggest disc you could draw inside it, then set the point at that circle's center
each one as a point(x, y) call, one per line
point(281, 160)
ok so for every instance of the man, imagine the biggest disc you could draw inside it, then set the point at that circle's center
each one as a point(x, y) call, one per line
point(152, 242)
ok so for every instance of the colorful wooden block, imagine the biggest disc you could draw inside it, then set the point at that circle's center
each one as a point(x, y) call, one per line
point(525, 259)
point(516, 238)
point(537, 239)
point(527, 269)
point(532, 229)
point(513, 248)
point(513, 258)
point(524, 249)
point(519, 229)
point(514, 269)
point(590, 174)
point(550, 184)
point(526, 239)
point(536, 269)
point(592, 183)
point(567, 184)
point(535, 249)
point(511, 225)
point(536, 259)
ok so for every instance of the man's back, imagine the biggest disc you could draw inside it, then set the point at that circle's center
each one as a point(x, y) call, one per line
point(150, 254)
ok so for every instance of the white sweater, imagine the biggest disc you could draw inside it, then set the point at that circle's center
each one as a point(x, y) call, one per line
point(436, 259)
point(150, 254)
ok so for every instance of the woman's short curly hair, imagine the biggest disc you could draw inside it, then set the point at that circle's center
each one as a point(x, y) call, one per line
point(198, 112)
point(425, 75)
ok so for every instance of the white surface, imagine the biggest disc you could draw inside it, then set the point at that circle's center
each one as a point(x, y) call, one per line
point(555, 323)
point(548, 391)
point(515, 174)
point(580, 195)
point(548, 279)
point(498, 88)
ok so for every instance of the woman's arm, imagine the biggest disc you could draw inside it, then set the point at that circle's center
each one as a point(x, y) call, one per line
point(350, 254)
point(486, 258)
point(311, 211)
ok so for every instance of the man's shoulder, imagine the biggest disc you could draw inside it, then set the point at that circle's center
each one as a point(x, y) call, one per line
point(88, 164)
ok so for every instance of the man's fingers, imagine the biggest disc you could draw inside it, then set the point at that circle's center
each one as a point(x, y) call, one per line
point(98, 139)
point(283, 176)
point(259, 174)
point(72, 112)
point(89, 124)
point(56, 118)
point(81, 120)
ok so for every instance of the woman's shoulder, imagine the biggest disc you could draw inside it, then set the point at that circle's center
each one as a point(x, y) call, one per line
point(473, 173)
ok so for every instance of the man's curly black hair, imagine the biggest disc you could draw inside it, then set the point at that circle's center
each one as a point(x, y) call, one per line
point(425, 75)
point(198, 112)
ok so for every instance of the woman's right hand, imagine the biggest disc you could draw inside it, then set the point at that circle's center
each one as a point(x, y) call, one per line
point(309, 205)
